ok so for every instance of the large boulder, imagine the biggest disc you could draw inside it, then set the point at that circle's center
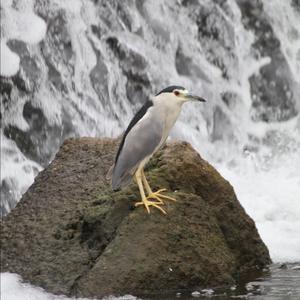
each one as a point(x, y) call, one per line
point(72, 234)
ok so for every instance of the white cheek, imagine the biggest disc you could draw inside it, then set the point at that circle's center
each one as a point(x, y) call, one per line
point(181, 100)
point(168, 100)
point(177, 100)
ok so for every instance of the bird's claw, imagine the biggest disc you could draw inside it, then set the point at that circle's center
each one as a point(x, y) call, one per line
point(148, 203)
point(159, 197)
point(159, 200)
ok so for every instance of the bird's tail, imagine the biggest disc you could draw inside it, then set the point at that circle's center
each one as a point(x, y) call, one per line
point(117, 182)
point(121, 182)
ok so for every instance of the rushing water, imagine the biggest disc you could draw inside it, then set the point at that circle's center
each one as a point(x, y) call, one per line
point(74, 69)
point(280, 282)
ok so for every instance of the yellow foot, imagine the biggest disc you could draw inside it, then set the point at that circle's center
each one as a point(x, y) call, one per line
point(159, 197)
point(148, 203)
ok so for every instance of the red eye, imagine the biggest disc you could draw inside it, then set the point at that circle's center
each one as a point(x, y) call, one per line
point(176, 93)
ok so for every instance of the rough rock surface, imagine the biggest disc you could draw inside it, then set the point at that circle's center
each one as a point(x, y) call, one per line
point(71, 234)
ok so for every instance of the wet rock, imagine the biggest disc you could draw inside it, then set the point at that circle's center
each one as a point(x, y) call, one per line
point(272, 88)
point(231, 99)
point(222, 126)
point(134, 67)
point(122, 15)
point(21, 138)
point(128, 57)
point(57, 52)
point(6, 86)
point(38, 141)
point(30, 74)
point(296, 4)
point(39, 137)
point(99, 79)
point(125, 14)
point(8, 201)
point(186, 66)
point(71, 234)
point(216, 35)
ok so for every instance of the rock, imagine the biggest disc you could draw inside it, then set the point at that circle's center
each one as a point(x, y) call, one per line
point(37, 142)
point(186, 66)
point(99, 79)
point(134, 67)
point(72, 234)
point(296, 4)
point(57, 51)
point(222, 126)
point(28, 79)
point(273, 88)
point(7, 197)
point(216, 36)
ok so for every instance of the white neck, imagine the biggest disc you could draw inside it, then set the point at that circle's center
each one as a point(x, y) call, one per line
point(167, 109)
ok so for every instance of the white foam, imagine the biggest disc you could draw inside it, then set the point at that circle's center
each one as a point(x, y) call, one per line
point(16, 169)
point(21, 23)
point(10, 61)
point(271, 197)
point(12, 288)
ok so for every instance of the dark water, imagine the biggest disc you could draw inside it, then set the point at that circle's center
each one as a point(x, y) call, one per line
point(280, 282)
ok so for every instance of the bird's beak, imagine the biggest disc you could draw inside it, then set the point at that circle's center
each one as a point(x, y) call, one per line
point(192, 97)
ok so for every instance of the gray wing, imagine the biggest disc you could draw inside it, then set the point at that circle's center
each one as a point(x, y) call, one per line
point(139, 143)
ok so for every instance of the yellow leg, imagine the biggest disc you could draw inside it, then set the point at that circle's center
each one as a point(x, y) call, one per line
point(145, 201)
point(155, 195)
point(146, 184)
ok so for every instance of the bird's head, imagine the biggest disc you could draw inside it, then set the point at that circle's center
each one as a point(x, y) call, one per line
point(177, 94)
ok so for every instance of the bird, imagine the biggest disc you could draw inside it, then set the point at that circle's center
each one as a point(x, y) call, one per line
point(145, 135)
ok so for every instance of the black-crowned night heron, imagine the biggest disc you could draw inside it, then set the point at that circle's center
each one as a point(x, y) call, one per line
point(145, 134)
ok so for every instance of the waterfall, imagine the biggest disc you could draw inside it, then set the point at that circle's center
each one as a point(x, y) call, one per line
point(83, 68)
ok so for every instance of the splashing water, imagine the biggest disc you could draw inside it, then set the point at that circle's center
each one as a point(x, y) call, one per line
point(14, 289)
point(94, 73)
point(22, 24)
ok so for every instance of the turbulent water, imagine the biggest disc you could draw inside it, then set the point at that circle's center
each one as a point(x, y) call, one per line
point(281, 282)
point(82, 68)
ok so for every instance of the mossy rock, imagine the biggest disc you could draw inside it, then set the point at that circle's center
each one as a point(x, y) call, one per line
point(72, 234)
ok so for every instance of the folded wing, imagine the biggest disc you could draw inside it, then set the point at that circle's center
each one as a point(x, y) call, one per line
point(137, 145)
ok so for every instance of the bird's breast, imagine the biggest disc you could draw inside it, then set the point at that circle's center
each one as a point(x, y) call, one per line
point(167, 114)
